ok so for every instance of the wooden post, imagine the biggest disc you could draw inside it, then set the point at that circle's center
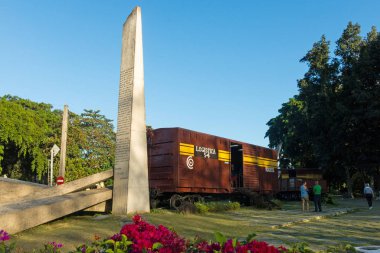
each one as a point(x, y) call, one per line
point(62, 161)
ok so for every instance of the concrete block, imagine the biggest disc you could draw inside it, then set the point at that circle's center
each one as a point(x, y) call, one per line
point(16, 217)
point(17, 190)
point(104, 207)
point(13, 189)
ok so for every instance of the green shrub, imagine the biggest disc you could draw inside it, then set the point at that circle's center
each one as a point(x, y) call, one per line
point(341, 249)
point(329, 200)
point(233, 205)
point(300, 247)
point(158, 210)
point(216, 206)
point(202, 208)
point(277, 203)
point(303, 247)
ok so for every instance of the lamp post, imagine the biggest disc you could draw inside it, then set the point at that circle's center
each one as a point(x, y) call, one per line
point(53, 152)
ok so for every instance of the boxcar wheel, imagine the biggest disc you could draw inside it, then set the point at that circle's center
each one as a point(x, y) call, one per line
point(187, 207)
point(176, 201)
point(153, 203)
point(197, 198)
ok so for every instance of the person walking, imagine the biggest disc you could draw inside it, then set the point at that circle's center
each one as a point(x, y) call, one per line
point(304, 196)
point(369, 194)
point(317, 190)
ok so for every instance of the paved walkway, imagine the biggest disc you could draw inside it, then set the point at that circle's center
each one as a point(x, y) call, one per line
point(297, 217)
point(351, 222)
point(290, 215)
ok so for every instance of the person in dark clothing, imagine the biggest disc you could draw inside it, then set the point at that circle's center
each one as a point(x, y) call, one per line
point(317, 190)
point(368, 193)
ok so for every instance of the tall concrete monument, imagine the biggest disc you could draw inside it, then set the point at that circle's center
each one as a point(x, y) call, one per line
point(131, 188)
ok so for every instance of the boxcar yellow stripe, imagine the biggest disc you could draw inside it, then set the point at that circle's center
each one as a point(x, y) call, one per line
point(266, 165)
point(186, 154)
point(248, 157)
point(186, 149)
point(186, 145)
point(262, 165)
point(260, 161)
point(258, 158)
point(224, 156)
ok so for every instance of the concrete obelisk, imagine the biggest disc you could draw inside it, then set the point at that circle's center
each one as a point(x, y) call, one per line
point(131, 187)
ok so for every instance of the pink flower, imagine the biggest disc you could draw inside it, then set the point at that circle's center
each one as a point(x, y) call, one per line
point(4, 236)
point(144, 236)
point(116, 237)
point(56, 245)
point(229, 247)
point(83, 248)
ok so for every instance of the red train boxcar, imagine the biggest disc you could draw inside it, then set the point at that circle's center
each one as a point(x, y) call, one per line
point(291, 180)
point(184, 161)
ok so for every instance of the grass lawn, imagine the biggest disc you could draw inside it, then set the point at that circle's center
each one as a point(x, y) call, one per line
point(359, 227)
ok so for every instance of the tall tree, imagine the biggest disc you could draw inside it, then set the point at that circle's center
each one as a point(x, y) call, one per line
point(288, 130)
point(28, 130)
point(25, 134)
point(345, 138)
point(341, 115)
point(365, 95)
point(91, 144)
point(317, 92)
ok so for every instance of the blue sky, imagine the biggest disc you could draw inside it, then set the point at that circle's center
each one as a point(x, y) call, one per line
point(214, 66)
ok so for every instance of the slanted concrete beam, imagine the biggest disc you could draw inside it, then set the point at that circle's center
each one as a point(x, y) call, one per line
point(13, 189)
point(18, 191)
point(16, 217)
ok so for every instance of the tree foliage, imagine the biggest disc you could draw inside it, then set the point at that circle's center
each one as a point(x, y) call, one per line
point(91, 144)
point(28, 130)
point(25, 136)
point(334, 121)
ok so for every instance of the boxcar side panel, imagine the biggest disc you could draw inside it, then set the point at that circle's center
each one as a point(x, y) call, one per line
point(269, 179)
point(260, 169)
point(298, 176)
point(269, 172)
point(199, 168)
point(224, 158)
point(251, 173)
point(251, 177)
point(162, 161)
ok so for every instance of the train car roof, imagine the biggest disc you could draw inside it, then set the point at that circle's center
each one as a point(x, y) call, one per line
point(231, 140)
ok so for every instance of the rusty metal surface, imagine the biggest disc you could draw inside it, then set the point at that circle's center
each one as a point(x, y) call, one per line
point(182, 160)
point(309, 175)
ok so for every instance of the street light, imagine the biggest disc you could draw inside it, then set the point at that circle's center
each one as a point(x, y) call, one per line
point(53, 152)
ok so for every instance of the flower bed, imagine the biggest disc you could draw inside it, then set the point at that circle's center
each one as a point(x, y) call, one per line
point(142, 237)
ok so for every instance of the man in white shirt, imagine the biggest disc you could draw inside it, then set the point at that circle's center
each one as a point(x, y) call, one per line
point(369, 194)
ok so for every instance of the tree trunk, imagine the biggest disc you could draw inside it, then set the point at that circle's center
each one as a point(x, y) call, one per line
point(376, 180)
point(349, 183)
